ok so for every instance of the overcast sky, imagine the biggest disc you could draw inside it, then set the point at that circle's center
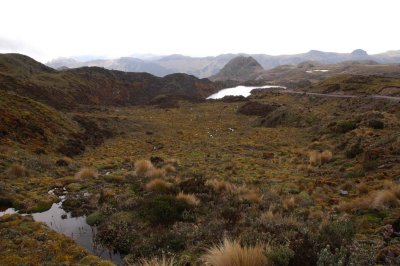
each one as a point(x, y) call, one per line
point(46, 29)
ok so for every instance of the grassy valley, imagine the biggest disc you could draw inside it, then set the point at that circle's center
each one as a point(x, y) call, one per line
point(164, 175)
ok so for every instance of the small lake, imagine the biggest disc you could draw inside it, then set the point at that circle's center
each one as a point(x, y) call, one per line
point(74, 227)
point(240, 91)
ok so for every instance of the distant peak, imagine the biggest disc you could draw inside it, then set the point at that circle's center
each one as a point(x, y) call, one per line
point(359, 52)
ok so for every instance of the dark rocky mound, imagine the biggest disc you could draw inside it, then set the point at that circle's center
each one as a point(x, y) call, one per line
point(233, 99)
point(256, 108)
point(282, 116)
point(240, 68)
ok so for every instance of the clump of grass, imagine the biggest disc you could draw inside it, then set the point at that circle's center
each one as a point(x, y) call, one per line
point(158, 185)
point(155, 173)
point(190, 199)
point(142, 167)
point(375, 200)
point(251, 196)
point(163, 261)
point(326, 156)
point(318, 158)
point(86, 173)
point(289, 203)
point(169, 168)
point(232, 253)
point(315, 158)
point(221, 185)
point(17, 170)
point(173, 162)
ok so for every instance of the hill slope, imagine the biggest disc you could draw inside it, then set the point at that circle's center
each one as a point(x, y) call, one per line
point(93, 85)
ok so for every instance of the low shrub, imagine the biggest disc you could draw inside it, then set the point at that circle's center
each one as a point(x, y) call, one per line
point(345, 126)
point(94, 218)
point(280, 255)
point(164, 209)
point(376, 124)
point(336, 234)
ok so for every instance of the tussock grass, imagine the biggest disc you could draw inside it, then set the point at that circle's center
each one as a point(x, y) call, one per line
point(17, 170)
point(326, 156)
point(289, 203)
point(318, 158)
point(86, 173)
point(231, 253)
point(142, 167)
point(155, 173)
point(375, 200)
point(221, 186)
point(190, 199)
point(169, 168)
point(163, 261)
point(158, 185)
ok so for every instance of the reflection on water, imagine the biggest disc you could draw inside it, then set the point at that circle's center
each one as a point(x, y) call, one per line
point(74, 227)
point(239, 91)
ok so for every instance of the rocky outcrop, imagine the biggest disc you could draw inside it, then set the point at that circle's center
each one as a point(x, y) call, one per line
point(241, 68)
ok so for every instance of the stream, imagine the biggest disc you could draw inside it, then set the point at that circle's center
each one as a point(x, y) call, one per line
point(74, 227)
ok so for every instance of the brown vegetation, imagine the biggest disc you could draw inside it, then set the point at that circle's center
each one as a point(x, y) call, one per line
point(231, 253)
point(86, 173)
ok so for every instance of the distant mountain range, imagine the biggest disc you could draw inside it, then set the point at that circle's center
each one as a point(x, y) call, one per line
point(208, 66)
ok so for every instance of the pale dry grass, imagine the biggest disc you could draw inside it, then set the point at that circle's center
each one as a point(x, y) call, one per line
point(190, 199)
point(86, 173)
point(289, 203)
point(142, 167)
point(326, 156)
point(251, 196)
point(375, 200)
point(158, 185)
point(318, 158)
point(163, 261)
point(155, 173)
point(221, 185)
point(169, 168)
point(231, 253)
point(314, 158)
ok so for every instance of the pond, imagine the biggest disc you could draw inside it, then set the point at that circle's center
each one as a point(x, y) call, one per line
point(240, 91)
point(74, 227)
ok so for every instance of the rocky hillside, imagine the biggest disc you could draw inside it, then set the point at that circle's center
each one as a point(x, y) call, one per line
point(68, 88)
point(240, 68)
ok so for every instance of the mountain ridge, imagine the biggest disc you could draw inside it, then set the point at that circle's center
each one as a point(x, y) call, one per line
point(207, 66)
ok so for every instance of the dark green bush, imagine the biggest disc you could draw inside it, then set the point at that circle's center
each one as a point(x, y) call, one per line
point(280, 255)
point(336, 234)
point(376, 124)
point(344, 126)
point(164, 209)
point(354, 150)
point(94, 218)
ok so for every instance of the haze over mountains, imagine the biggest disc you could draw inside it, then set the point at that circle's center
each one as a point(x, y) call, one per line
point(208, 66)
